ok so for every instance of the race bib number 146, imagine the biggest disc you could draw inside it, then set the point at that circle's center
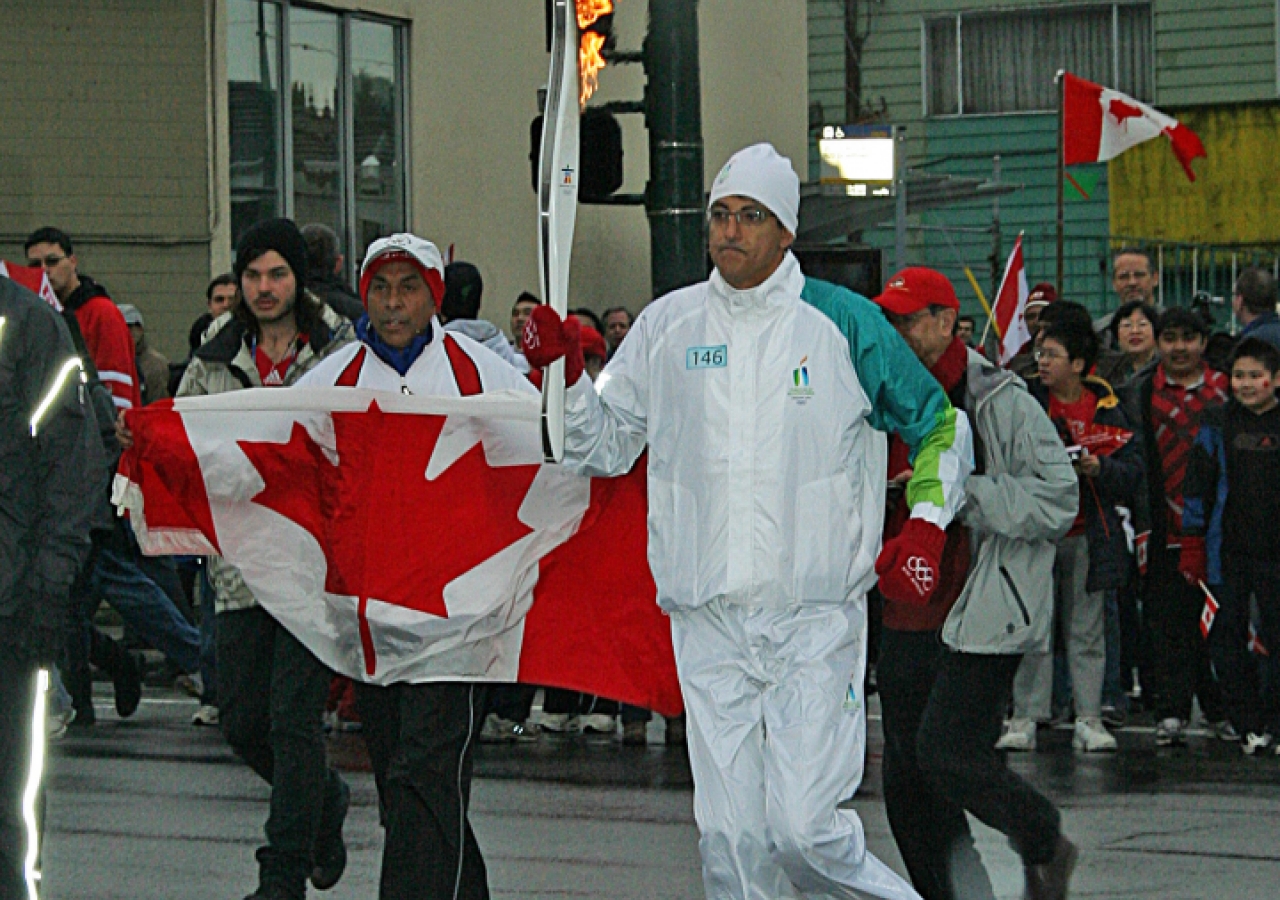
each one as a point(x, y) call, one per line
point(706, 357)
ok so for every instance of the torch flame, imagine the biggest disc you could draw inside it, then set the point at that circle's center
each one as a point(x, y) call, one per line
point(590, 59)
point(590, 10)
point(590, 62)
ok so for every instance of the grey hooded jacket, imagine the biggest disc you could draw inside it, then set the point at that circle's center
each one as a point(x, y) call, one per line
point(487, 333)
point(1022, 502)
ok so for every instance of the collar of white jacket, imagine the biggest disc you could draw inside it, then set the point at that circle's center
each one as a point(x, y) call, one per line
point(783, 286)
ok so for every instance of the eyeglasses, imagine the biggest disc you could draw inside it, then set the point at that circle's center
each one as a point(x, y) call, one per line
point(750, 217)
point(1047, 354)
point(900, 320)
point(47, 263)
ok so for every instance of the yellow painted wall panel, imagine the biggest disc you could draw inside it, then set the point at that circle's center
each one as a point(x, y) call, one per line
point(1236, 195)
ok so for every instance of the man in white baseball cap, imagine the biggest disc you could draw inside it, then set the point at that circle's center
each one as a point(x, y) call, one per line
point(760, 394)
point(420, 736)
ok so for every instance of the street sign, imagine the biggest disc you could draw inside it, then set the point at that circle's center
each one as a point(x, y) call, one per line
point(860, 157)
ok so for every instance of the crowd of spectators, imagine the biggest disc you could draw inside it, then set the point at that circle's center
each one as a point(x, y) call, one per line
point(1166, 589)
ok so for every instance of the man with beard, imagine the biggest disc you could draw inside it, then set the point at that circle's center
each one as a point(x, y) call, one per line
point(271, 688)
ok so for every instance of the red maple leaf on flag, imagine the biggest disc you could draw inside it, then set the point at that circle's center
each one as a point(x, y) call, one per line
point(371, 513)
point(1120, 110)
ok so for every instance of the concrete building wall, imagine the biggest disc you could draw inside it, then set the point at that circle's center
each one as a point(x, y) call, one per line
point(115, 117)
point(105, 135)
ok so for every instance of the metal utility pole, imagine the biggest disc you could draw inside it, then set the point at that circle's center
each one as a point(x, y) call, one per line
point(673, 113)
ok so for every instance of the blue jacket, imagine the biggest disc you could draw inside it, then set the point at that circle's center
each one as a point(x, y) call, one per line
point(1204, 494)
point(1266, 326)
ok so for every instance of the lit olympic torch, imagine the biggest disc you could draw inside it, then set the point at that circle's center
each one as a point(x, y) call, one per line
point(574, 67)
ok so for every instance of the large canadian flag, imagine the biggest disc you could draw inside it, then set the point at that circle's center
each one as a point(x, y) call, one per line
point(406, 538)
point(1011, 306)
point(1099, 124)
point(33, 279)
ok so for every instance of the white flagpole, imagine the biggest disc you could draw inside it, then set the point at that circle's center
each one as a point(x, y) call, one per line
point(557, 204)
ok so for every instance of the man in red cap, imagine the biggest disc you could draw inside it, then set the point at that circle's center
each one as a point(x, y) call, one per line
point(1024, 363)
point(420, 736)
point(947, 666)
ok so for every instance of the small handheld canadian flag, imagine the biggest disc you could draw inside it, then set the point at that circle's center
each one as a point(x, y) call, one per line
point(1210, 611)
point(1099, 124)
point(1011, 306)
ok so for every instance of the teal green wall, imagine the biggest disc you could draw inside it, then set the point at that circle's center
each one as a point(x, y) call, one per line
point(1207, 52)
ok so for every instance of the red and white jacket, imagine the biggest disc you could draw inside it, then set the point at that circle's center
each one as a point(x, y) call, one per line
point(109, 343)
point(451, 365)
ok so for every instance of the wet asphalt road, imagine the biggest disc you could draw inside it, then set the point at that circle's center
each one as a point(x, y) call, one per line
point(152, 807)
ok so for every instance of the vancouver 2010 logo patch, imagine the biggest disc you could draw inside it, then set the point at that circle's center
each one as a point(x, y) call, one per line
point(800, 390)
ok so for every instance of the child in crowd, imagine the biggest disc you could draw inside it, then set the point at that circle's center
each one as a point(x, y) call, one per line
point(1230, 539)
point(1093, 559)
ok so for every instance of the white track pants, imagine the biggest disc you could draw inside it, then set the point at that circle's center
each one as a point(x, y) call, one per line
point(777, 734)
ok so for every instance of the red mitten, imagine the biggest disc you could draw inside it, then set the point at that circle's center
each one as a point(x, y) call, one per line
point(908, 564)
point(547, 337)
point(1193, 562)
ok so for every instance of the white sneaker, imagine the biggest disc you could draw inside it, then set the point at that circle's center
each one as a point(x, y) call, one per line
point(597, 723)
point(1252, 743)
point(560, 723)
point(55, 725)
point(1019, 736)
point(205, 715)
point(1092, 737)
point(1171, 732)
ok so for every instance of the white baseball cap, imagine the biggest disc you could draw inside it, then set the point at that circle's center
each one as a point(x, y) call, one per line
point(408, 248)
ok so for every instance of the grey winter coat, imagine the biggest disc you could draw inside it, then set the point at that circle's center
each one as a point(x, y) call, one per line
point(487, 333)
point(1020, 502)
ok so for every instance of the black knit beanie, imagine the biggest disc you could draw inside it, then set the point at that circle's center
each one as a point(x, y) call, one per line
point(280, 235)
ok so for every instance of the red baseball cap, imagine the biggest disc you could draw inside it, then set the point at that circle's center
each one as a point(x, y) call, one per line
point(1042, 295)
point(917, 288)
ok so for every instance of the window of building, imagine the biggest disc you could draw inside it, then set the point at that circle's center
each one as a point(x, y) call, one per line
point(335, 152)
point(981, 63)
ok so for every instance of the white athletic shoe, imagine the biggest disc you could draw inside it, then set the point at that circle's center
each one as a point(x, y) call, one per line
point(205, 715)
point(1254, 743)
point(1171, 732)
point(1092, 737)
point(560, 723)
point(597, 723)
point(1019, 735)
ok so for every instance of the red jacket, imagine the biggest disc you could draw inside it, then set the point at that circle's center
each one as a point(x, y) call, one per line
point(110, 345)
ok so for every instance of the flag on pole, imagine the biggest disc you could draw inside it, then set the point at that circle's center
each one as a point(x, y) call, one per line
point(414, 539)
point(33, 279)
point(1099, 124)
point(1210, 611)
point(1255, 642)
point(1011, 306)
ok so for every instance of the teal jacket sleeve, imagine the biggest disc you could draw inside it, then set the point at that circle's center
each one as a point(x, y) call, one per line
point(905, 399)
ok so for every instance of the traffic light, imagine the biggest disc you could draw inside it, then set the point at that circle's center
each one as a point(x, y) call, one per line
point(599, 154)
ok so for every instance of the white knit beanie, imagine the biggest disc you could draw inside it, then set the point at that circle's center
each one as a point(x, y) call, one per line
point(763, 174)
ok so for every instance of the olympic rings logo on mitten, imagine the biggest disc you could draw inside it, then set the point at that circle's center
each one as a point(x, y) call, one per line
point(531, 335)
point(920, 571)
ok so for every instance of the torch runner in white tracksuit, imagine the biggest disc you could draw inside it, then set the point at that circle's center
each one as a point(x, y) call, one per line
point(761, 395)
